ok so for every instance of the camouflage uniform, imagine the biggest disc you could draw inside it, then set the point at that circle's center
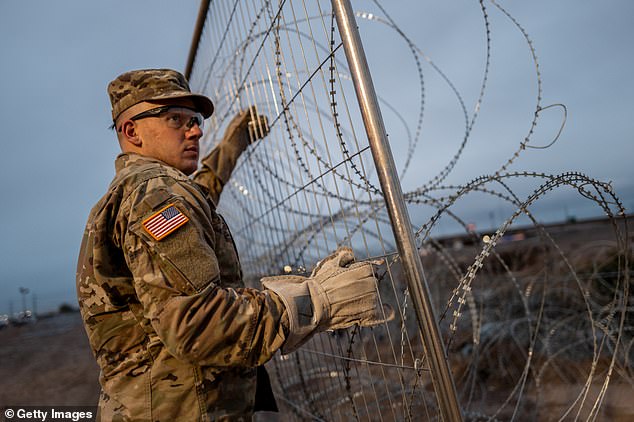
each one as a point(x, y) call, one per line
point(174, 330)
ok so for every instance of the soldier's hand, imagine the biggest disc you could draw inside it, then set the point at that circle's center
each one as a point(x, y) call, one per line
point(248, 125)
point(338, 294)
point(258, 125)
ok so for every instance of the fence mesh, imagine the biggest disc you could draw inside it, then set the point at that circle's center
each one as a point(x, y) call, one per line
point(537, 320)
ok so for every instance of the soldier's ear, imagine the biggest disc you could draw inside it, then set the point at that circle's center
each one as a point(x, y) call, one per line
point(128, 129)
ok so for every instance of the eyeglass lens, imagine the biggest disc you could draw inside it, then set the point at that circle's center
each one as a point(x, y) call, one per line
point(177, 118)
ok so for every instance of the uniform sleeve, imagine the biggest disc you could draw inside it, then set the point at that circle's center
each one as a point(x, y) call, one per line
point(216, 168)
point(177, 280)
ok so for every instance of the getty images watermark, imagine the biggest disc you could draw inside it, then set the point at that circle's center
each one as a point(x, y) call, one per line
point(49, 413)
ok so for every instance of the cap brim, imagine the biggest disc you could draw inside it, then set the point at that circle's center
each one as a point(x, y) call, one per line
point(203, 104)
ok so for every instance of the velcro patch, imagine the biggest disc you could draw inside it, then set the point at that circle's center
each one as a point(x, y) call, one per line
point(164, 222)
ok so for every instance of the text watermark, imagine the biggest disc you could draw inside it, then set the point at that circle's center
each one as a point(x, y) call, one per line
point(48, 413)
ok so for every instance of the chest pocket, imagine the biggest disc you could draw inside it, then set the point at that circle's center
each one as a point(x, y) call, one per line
point(186, 255)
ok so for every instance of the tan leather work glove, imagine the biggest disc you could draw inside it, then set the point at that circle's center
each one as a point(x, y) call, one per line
point(338, 294)
point(247, 127)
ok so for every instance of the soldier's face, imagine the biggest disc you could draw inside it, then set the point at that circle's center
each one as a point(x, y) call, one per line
point(177, 147)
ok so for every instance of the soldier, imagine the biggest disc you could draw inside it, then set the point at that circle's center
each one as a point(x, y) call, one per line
point(174, 330)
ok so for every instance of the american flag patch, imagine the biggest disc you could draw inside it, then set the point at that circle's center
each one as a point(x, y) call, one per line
point(164, 222)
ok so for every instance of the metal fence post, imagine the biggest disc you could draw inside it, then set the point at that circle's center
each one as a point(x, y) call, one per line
point(419, 291)
point(198, 31)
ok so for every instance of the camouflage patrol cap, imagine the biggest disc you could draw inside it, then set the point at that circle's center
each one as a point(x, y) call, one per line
point(136, 86)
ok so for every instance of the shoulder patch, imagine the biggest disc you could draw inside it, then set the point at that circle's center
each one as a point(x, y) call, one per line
point(164, 222)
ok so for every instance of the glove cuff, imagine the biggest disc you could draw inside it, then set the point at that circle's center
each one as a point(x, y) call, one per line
point(306, 306)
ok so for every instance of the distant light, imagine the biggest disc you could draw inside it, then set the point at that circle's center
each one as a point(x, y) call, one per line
point(486, 238)
point(288, 269)
point(245, 191)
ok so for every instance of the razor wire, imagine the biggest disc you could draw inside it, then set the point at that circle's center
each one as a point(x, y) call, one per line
point(536, 326)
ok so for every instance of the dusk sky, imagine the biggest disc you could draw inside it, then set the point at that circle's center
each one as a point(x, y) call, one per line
point(58, 57)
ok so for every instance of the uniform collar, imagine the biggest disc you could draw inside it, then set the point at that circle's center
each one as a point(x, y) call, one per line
point(128, 159)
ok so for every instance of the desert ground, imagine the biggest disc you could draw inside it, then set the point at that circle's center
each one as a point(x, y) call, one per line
point(48, 363)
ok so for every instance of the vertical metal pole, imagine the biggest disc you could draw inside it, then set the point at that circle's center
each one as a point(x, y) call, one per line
point(388, 177)
point(198, 31)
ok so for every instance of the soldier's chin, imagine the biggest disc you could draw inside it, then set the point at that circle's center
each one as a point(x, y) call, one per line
point(190, 165)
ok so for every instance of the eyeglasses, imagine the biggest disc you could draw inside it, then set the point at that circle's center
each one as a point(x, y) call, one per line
point(175, 117)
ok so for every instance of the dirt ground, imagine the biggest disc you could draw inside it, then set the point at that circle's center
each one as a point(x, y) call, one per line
point(48, 363)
